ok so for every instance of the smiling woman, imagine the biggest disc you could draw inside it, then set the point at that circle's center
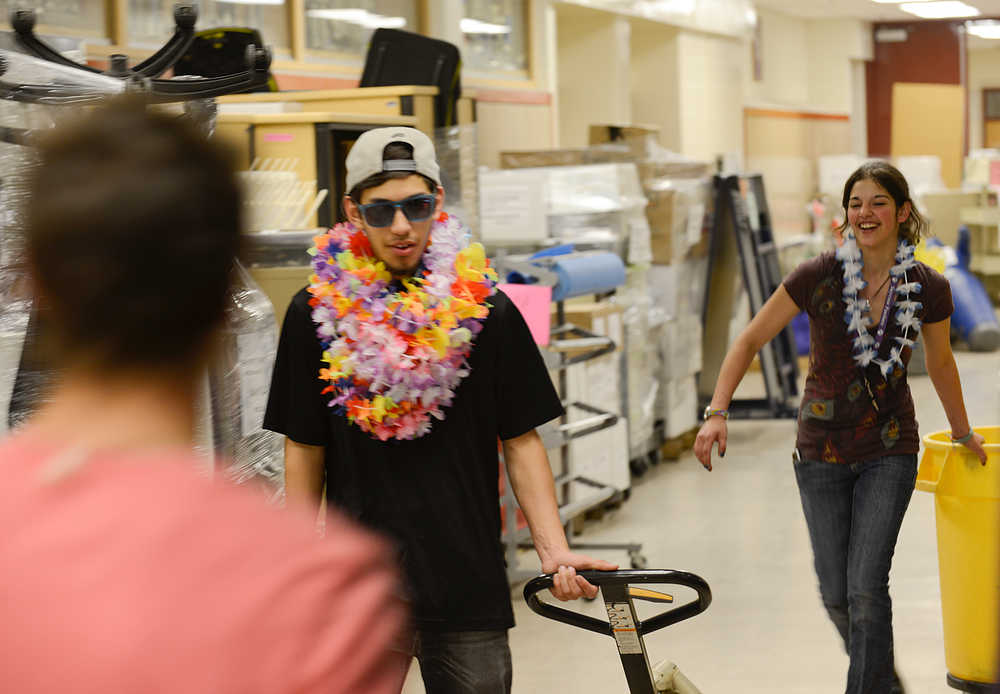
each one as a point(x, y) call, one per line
point(887, 195)
point(856, 445)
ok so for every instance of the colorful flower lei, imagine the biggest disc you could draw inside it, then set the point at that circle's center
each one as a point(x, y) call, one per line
point(864, 344)
point(394, 358)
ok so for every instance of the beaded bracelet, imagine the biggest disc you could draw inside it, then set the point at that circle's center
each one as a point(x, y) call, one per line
point(962, 439)
point(712, 412)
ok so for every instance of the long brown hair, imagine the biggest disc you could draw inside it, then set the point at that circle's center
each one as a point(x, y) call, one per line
point(894, 183)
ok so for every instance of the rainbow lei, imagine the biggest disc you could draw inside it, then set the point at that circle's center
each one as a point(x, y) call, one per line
point(395, 358)
point(864, 344)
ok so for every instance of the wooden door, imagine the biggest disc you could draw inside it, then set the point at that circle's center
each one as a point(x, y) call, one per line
point(929, 119)
point(991, 118)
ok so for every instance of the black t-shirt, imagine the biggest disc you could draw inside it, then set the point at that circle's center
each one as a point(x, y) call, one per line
point(437, 495)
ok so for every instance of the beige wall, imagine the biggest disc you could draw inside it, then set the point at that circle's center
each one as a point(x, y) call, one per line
point(784, 57)
point(710, 86)
point(808, 63)
point(655, 79)
point(602, 67)
point(785, 147)
point(829, 78)
point(984, 73)
point(508, 126)
point(809, 102)
point(592, 70)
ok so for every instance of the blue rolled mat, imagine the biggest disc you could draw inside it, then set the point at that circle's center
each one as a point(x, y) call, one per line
point(587, 274)
point(973, 318)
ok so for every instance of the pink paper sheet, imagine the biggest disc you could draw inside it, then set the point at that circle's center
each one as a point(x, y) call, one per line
point(534, 302)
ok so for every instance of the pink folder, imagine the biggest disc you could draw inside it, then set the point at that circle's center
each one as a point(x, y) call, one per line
point(534, 302)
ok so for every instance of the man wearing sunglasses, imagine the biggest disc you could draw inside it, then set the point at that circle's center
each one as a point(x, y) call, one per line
point(423, 367)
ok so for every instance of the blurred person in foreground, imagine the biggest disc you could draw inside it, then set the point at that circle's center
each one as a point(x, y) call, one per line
point(122, 569)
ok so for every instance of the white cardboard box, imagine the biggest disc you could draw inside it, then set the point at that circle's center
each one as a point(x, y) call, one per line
point(680, 406)
point(601, 457)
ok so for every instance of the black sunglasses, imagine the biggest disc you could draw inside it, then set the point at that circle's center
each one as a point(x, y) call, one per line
point(417, 208)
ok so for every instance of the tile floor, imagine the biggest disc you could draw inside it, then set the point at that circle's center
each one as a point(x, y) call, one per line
point(741, 528)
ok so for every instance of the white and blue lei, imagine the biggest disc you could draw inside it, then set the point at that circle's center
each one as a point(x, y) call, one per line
point(857, 323)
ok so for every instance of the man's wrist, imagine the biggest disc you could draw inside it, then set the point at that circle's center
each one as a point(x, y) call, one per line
point(548, 554)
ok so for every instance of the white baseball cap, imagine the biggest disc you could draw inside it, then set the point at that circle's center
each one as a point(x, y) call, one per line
point(365, 158)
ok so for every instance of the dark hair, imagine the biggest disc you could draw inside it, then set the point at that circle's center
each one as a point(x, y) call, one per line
point(890, 178)
point(393, 150)
point(133, 224)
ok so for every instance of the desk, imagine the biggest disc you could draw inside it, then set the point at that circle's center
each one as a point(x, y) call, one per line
point(412, 100)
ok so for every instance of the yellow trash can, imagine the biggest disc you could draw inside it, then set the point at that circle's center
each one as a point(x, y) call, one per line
point(967, 505)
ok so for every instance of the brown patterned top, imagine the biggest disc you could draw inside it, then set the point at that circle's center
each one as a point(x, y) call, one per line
point(837, 421)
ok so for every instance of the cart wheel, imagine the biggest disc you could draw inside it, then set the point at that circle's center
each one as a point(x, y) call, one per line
point(638, 466)
point(638, 561)
point(654, 457)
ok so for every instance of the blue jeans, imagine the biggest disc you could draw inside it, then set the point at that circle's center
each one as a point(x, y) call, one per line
point(854, 513)
point(464, 662)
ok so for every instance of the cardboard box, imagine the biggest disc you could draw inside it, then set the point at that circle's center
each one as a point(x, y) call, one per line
point(665, 290)
point(650, 171)
point(636, 137)
point(680, 348)
point(545, 157)
point(679, 289)
point(570, 156)
point(678, 213)
point(661, 214)
point(601, 318)
point(596, 382)
point(680, 413)
point(601, 457)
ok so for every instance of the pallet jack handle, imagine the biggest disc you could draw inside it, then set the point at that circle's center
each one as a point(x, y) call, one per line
point(623, 579)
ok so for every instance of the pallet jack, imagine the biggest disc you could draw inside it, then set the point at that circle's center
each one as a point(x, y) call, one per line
point(620, 589)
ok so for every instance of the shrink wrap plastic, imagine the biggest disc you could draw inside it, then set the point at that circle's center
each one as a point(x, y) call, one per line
point(233, 394)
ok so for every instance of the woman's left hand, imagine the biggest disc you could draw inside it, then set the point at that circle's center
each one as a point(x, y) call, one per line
point(975, 444)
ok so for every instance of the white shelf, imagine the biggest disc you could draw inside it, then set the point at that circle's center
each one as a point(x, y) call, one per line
point(987, 264)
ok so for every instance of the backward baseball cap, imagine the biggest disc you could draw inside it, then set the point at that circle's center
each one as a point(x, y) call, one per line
point(365, 158)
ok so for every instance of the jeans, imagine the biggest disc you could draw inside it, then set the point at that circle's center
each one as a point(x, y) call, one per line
point(854, 513)
point(464, 662)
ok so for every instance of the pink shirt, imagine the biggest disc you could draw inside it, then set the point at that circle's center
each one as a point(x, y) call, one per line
point(136, 574)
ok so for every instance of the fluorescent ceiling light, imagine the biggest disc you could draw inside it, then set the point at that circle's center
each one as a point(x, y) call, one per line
point(254, 2)
point(891, 35)
point(670, 6)
point(367, 19)
point(474, 26)
point(984, 29)
point(940, 10)
point(897, 2)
